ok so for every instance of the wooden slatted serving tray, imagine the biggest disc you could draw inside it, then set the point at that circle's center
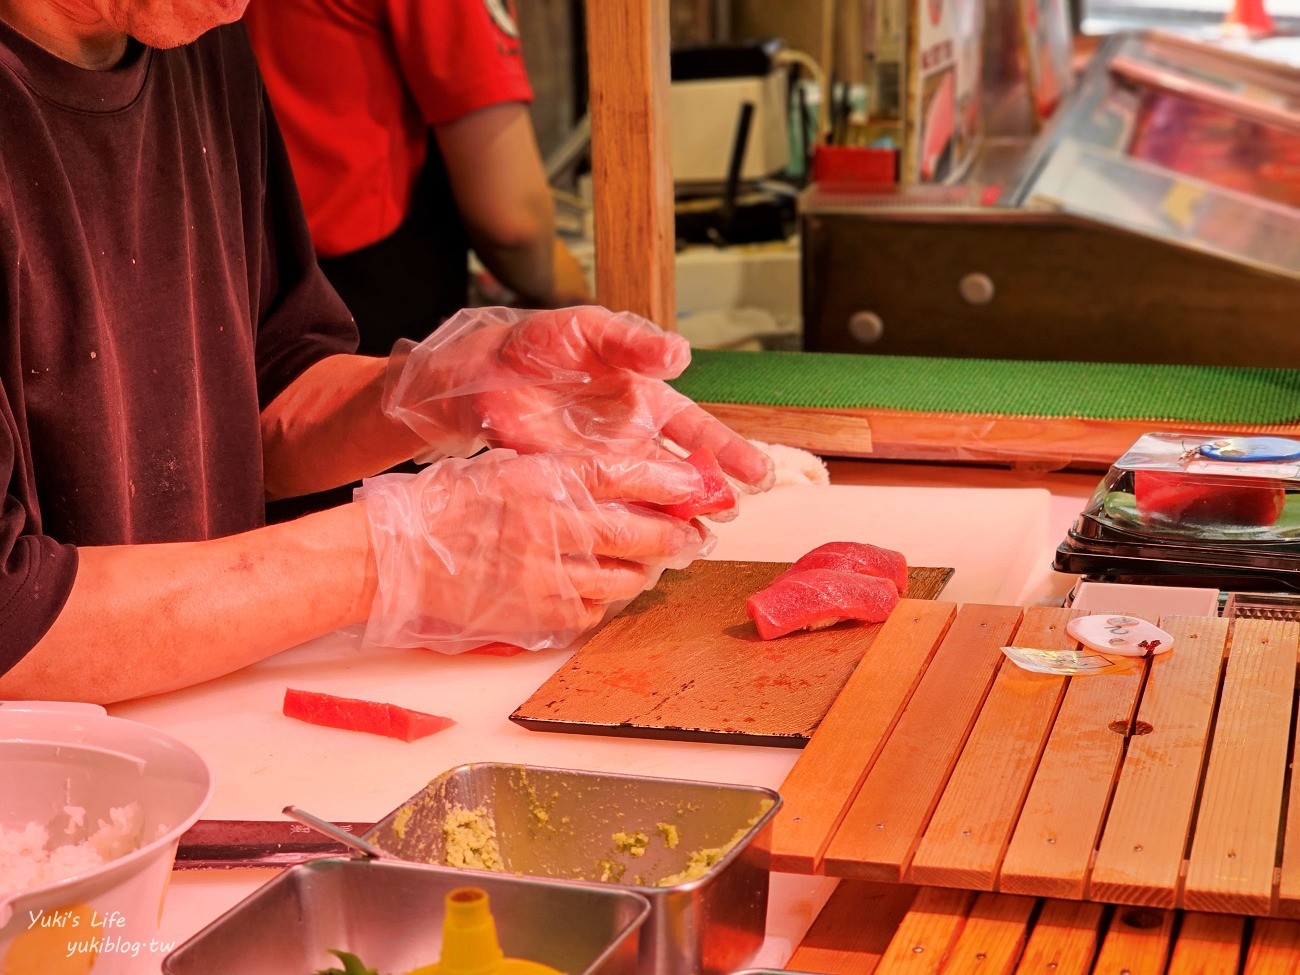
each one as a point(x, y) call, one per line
point(1165, 784)
point(683, 661)
point(868, 928)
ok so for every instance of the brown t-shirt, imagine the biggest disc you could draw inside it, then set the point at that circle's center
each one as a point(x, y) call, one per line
point(157, 289)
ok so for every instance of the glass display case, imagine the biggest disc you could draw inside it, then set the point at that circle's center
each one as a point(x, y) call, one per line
point(1156, 218)
point(1182, 141)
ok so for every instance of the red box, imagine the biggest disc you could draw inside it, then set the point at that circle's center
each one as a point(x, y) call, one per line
point(852, 167)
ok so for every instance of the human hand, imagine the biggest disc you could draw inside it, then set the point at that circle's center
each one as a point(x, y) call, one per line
point(529, 550)
point(568, 380)
point(570, 279)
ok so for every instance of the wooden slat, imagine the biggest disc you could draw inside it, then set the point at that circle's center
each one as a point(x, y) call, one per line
point(854, 928)
point(1078, 442)
point(927, 933)
point(1145, 835)
point(883, 826)
point(829, 772)
point(627, 51)
point(836, 433)
point(1052, 847)
point(951, 931)
point(1136, 943)
point(1064, 940)
point(1208, 944)
point(968, 834)
point(1235, 846)
point(1288, 903)
point(1274, 949)
point(993, 938)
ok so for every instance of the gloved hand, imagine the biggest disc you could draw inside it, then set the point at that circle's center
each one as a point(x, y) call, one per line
point(528, 550)
point(574, 379)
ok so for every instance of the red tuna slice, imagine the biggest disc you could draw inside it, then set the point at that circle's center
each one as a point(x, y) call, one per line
point(859, 558)
point(813, 598)
point(1183, 499)
point(716, 494)
point(351, 714)
point(497, 650)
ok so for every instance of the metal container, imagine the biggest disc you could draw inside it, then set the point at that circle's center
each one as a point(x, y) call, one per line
point(573, 825)
point(390, 915)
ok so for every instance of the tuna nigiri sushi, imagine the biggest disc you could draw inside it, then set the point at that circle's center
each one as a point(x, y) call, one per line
point(859, 558)
point(716, 495)
point(813, 598)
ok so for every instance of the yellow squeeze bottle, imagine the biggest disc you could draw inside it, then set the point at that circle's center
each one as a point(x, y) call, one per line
point(469, 941)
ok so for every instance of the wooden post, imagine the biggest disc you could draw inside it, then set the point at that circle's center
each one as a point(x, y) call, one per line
point(628, 46)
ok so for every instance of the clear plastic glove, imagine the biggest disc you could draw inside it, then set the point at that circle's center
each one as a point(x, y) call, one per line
point(529, 550)
point(572, 379)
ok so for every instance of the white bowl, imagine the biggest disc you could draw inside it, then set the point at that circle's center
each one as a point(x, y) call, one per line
point(57, 755)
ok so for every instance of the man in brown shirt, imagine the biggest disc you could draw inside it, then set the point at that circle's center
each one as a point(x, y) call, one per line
point(171, 356)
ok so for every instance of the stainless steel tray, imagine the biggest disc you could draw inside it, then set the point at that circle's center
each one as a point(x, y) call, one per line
point(390, 914)
point(561, 824)
point(1262, 606)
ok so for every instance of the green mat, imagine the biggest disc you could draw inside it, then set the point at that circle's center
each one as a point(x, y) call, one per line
point(1105, 391)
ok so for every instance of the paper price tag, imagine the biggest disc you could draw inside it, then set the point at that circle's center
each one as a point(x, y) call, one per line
point(1061, 663)
point(1115, 633)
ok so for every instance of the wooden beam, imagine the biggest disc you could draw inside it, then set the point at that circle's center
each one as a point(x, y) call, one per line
point(1138, 942)
point(854, 929)
point(628, 46)
point(994, 936)
point(1208, 944)
point(927, 932)
point(1064, 940)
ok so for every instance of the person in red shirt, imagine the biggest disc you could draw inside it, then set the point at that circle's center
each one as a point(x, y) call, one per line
point(407, 126)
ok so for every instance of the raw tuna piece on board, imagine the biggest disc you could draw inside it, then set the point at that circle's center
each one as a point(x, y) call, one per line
point(857, 557)
point(716, 496)
point(351, 714)
point(1183, 499)
point(497, 650)
point(813, 598)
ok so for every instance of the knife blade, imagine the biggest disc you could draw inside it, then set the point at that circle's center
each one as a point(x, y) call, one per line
point(224, 844)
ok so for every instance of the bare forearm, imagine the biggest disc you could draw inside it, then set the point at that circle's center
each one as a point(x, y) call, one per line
point(526, 268)
point(500, 187)
point(144, 619)
point(328, 428)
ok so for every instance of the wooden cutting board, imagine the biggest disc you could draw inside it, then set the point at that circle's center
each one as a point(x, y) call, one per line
point(684, 662)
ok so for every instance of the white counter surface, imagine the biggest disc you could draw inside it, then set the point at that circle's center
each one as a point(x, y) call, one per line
point(999, 540)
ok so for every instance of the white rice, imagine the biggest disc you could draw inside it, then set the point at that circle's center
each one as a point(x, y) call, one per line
point(27, 859)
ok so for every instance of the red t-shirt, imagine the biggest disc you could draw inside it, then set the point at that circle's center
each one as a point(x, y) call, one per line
point(355, 85)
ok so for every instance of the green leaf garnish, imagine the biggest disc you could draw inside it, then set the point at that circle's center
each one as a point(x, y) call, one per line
point(352, 965)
